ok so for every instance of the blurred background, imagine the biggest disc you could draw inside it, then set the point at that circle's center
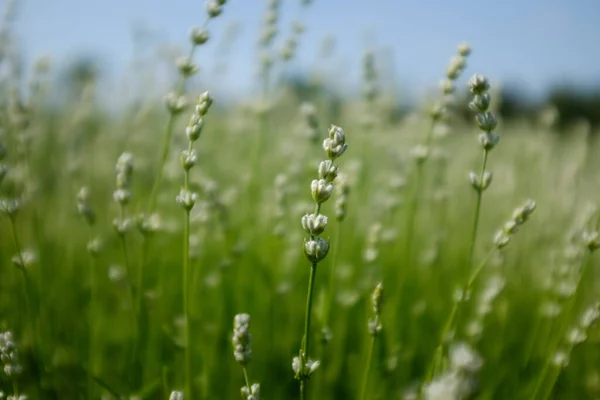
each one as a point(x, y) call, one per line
point(96, 304)
point(542, 52)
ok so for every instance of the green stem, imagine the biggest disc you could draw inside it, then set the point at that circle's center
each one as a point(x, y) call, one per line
point(186, 289)
point(560, 333)
point(452, 317)
point(91, 316)
point(140, 277)
point(307, 317)
point(368, 368)
point(247, 380)
point(477, 210)
point(186, 310)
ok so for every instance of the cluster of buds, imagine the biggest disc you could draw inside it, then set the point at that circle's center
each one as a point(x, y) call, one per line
point(377, 298)
point(455, 68)
point(519, 217)
point(485, 119)
point(242, 351)
point(9, 355)
point(310, 122)
point(314, 224)
point(251, 394)
point(267, 36)
point(373, 238)
point(122, 195)
point(341, 202)
point(242, 339)
point(189, 157)
point(577, 335)
point(148, 224)
point(460, 381)
point(175, 103)
point(370, 89)
point(269, 30)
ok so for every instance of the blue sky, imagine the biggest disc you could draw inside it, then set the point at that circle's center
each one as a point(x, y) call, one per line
point(528, 42)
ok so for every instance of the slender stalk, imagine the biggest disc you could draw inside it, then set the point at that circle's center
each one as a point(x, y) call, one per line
point(365, 384)
point(559, 335)
point(247, 380)
point(452, 317)
point(307, 317)
point(477, 211)
point(412, 211)
point(140, 277)
point(185, 290)
point(91, 324)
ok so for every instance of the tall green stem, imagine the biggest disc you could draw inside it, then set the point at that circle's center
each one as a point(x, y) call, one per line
point(186, 309)
point(91, 323)
point(307, 317)
point(185, 290)
point(477, 210)
point(566, 313)
point(368, 368)
point(439, 351)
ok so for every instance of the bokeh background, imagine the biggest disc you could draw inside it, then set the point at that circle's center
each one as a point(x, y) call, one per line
point(96, 310)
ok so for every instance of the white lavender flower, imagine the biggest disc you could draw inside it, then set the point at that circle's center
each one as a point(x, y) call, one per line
point(314, 224)
point(464, 359)
point(321, 190)
point(253, 394)
point(9, 355)
point(478, 84)
point(242, 339)
point(176, 395)
point(199, 36)
point(186, 199)
point(175, 103)
point(316, 249)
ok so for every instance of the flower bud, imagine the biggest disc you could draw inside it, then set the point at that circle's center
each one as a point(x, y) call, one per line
point(199, 36)
point(464, 49)
point(10, 207)
point(213, 9)
point(501, 239)
point(314, 224)
point(122, 196)
point(316, 249)
point(478, 84)
point(188, 159)
point(204, 103)
point(186, 199)
point(328, 171)
point(175, 104)
point(480, 102)
point(321, 190)
point(486, 121)
point(186, 67)
point(488, 140)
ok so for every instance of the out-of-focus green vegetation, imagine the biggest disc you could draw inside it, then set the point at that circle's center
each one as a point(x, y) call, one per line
point(80, 332)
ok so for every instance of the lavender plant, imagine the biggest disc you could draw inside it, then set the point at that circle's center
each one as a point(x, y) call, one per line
point(316, 248)
point(187, 199)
